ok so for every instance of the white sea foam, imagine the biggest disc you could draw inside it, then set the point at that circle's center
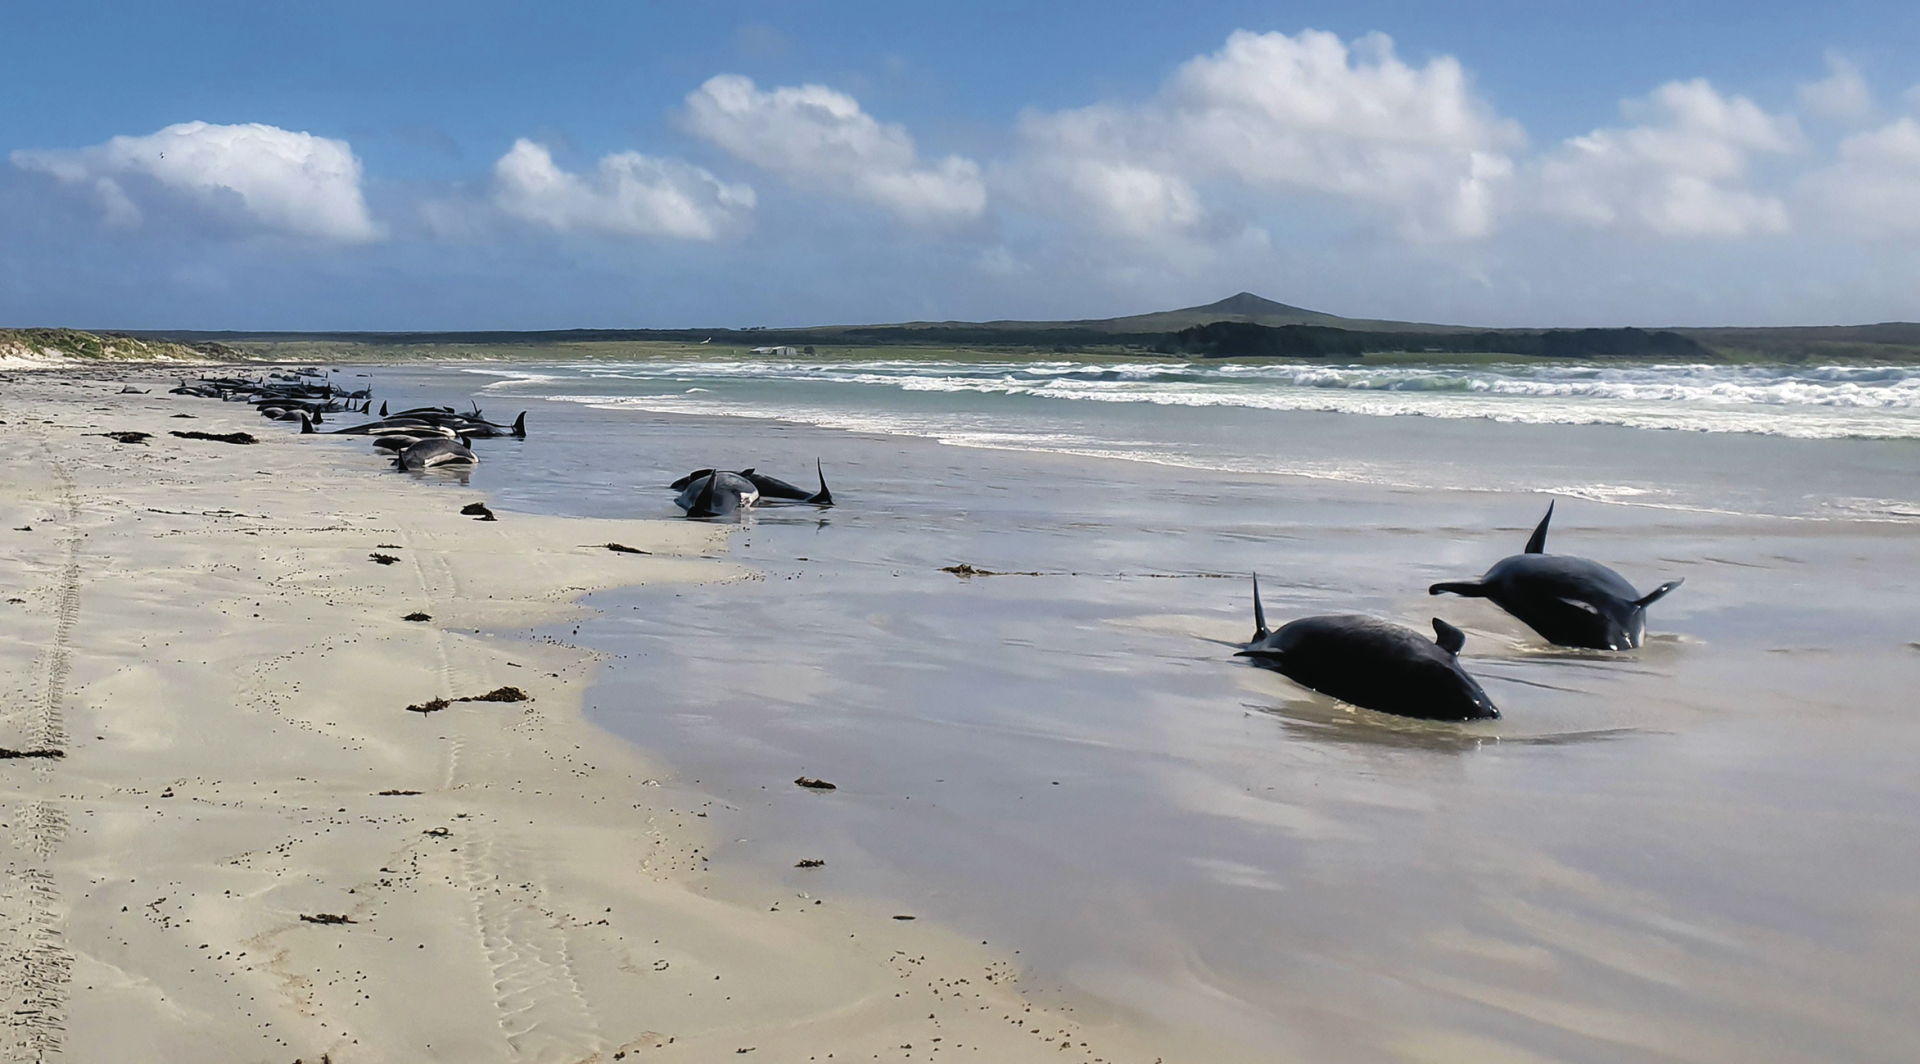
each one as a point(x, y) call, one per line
point(1818, 402)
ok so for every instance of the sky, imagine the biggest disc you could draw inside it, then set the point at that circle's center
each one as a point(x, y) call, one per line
point(476, 165)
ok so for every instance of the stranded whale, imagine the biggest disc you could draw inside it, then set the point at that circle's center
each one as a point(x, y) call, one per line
point(717, 494)
point(771, 489)
point(1372, 664)
point(1572, 602)
point(434, 451)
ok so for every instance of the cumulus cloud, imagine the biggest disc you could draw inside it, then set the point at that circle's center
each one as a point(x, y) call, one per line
point(629, 195)
point(272, 178)
point(1874, 188)
point(816, 138)
point(1276, 114)
point(1842, 95)
point(1680, 171)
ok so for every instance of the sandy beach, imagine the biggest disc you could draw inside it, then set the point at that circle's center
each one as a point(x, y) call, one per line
point(233, 841)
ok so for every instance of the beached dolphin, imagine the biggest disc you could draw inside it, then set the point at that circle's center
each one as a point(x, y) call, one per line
point(1372, 664)
point(771, 489)
point(717, 494)
point(1571, 602)
point(435, 451)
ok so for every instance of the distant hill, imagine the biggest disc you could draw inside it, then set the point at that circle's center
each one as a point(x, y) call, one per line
point(1244, 307)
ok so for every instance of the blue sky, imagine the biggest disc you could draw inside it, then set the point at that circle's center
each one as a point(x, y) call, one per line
point(430, 166)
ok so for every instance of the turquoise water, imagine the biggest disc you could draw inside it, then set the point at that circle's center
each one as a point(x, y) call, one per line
point(1702, 851)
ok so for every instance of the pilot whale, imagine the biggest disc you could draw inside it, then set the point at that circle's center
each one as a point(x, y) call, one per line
point(717, 494)
point(1372, 664)
point(1571, 602)
point(771, 489)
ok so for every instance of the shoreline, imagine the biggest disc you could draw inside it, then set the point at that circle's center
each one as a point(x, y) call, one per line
point(203, 635)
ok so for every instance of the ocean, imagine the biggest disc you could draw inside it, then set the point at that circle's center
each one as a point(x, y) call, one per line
point(1701, 850)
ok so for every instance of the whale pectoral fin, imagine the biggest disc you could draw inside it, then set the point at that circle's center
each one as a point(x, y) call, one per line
point(1262, 653)
point(1658, 593)
point(1466, 589)
point(1259, 613)
point(1451, 639)
point(703, 504)
point(1538, 543)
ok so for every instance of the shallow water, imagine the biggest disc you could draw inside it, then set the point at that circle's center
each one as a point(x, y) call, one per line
point(1703, 850)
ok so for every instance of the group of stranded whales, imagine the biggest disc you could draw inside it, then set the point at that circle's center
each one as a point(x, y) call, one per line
point(1360, 660)
point(428, 436)
point(423, 438)
point(1569, 601)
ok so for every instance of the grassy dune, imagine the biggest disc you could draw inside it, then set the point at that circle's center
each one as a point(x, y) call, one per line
point(59, 345)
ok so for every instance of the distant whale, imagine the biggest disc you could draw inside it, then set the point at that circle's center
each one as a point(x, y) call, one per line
point(717, 494)
point(1372, 664)
point(1571, 602)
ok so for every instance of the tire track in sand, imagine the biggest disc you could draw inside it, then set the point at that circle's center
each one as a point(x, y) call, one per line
point(35, 965)
point(543, 1013)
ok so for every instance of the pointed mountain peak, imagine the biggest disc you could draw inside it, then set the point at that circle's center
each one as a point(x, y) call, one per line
point(1252, 306)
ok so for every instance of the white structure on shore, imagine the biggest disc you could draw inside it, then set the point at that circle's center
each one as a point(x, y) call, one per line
point(778, 352)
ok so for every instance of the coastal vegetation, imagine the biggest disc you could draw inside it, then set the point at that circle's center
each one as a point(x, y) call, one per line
point(73, 344)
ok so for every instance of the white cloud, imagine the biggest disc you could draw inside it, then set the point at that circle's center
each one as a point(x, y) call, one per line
point(1681, 171)
point(1271, 113)
point(817, 138)
point(273, 178)
point(629, 195)
point(1874, 188)
point(1842, 95)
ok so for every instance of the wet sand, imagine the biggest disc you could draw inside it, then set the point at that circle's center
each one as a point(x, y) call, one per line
point(1701, 851)
point(250, 850)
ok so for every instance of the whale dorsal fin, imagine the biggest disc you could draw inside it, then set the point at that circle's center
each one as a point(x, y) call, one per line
point(1259, 614)
point(1451, 639)
point(383, 408)
point(1538, 544)
point(1658, 593)
point(823, 497)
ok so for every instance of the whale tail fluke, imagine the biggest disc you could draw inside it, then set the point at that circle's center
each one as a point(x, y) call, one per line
point(1658, 593)
point(1538, 543)
point(520, 426)
point(1464, 588)
point(1259, 614)
point(823, 497)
